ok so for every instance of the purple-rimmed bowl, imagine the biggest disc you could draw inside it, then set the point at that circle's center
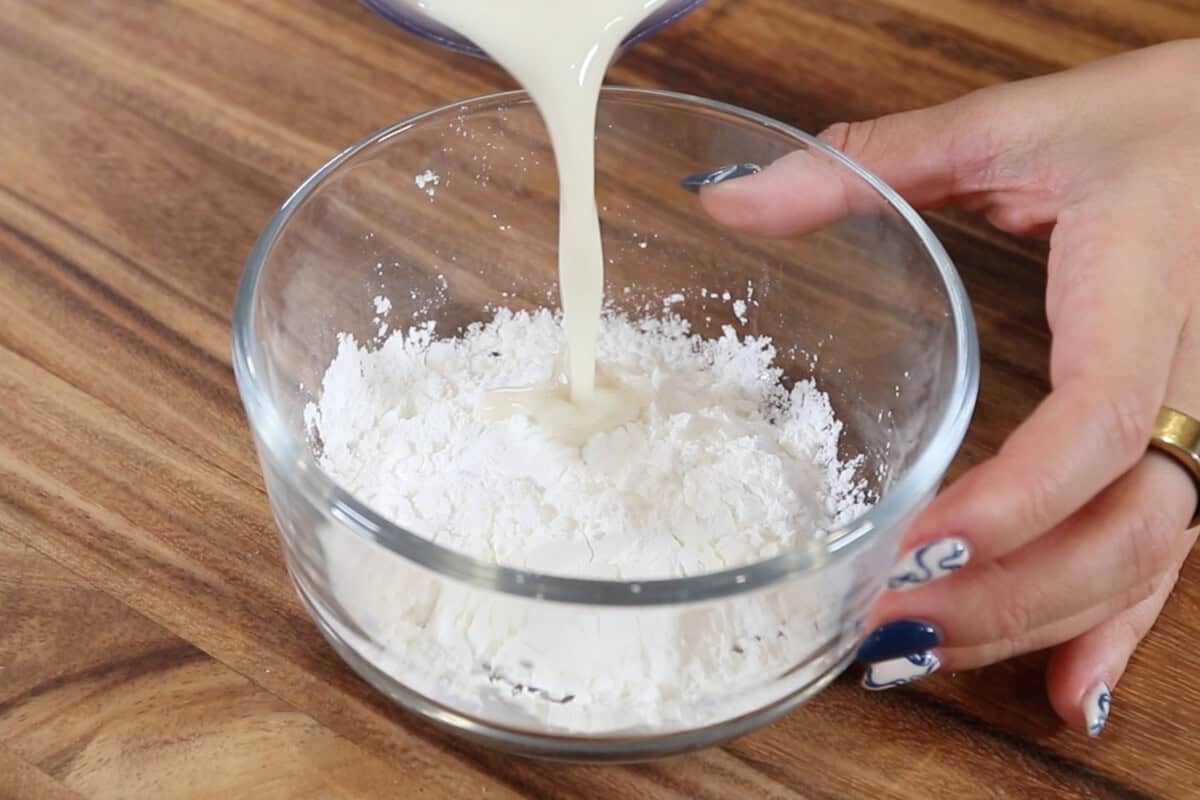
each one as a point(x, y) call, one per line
point(403, 14)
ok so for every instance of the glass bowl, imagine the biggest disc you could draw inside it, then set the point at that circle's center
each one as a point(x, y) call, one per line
point(404, 14)
point(869, 306)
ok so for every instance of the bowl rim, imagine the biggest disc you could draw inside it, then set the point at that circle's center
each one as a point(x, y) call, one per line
point(291, 457)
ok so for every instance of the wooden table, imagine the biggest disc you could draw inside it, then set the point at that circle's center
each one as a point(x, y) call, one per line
point(150, 643)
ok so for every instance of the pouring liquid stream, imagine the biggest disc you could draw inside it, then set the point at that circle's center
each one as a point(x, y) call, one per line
point(559, 52)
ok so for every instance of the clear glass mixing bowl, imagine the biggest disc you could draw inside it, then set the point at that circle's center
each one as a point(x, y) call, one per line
point(869, 305)
point(404, 14)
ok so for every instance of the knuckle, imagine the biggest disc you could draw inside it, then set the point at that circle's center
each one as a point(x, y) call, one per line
point(836, 135)
point(1033, 510)
point(1134, 597)
point(1146, 601)
point(862, 137)
point(1150, 541)
point(1124, 420)
point(1006, 648)
point(1129, 632)
point(1014, 607)
point(1014, 615)
point(855, 139)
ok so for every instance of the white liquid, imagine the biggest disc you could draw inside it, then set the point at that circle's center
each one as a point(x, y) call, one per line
point(559, 50)
point(570, 421)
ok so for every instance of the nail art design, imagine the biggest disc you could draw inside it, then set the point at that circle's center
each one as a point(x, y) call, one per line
point(899, 671)
point(1095, 708)
point(904, 637)
point(928, 563)
point(693, 182)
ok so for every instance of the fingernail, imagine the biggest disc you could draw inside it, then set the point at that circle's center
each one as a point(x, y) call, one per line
point(1095, 708)
point(727, 173)
point(928, 563)
point(899, 671)
point(898, 639)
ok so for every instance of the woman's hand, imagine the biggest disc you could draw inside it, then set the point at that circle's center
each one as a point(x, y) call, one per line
point(1073, 532)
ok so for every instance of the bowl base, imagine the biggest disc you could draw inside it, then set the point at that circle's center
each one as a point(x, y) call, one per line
point(576, 749)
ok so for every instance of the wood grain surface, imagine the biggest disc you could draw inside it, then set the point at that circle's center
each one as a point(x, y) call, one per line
point(150, 642)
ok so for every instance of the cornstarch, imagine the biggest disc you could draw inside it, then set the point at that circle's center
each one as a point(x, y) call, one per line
point(722, 466)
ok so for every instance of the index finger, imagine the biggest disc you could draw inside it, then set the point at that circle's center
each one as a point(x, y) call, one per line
point(929, 156)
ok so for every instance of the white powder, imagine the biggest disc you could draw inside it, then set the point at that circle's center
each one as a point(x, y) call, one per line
point(723, 467)
point(739, 310)
point(428, 181)
point(382, 305)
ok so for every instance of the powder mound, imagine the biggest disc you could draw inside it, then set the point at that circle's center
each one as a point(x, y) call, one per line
point(723, 466)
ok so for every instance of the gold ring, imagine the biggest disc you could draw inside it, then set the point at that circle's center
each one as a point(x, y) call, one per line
point(1178, 435)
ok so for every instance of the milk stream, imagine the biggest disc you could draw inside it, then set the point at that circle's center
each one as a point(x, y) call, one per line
point(559, 51)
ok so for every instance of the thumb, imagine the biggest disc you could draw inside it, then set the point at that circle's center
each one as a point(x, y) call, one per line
point(930, 156)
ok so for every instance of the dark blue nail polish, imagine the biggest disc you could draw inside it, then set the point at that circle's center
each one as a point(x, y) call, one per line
point(898, 639)
point(727, 173)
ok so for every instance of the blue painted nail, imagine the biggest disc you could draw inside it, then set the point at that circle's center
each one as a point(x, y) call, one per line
point(727, 173)
point(898, 639)
point(899, 671)
point(1095, 708)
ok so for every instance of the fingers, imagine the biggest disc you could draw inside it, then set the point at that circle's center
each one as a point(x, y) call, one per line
point(929, 156)
point(1095, 565)
point(1073, 532)
point(1050, 634)
point(980, 151)
point(1084, 671)
point(1097, 581)
point(1095, 646)
point(1011, 151)
point(801, 192)
point(1112, 357)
